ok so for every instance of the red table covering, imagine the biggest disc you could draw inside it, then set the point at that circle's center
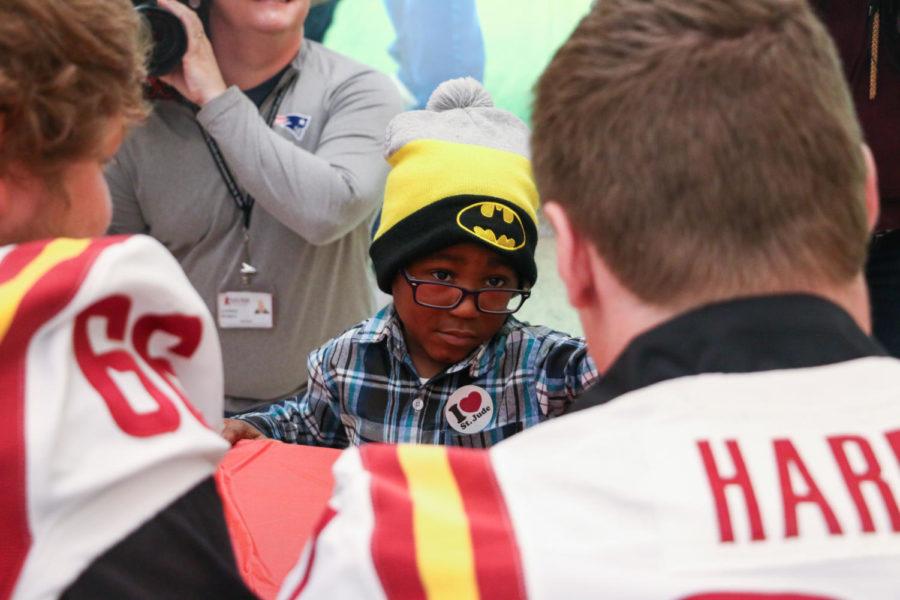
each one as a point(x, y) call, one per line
point(273, 494)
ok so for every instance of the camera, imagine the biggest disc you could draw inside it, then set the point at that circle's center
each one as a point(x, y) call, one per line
point(168, 36)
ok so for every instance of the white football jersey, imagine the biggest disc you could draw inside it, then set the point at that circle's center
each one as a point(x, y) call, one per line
point(101, 344)
point(775, 484)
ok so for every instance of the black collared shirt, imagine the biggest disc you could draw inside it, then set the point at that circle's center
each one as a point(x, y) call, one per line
point(747, 335)
point(259, 93)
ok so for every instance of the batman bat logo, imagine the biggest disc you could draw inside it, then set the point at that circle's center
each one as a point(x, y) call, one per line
point(493, 223)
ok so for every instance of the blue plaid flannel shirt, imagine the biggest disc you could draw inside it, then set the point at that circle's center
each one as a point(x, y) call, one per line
point(363, 387)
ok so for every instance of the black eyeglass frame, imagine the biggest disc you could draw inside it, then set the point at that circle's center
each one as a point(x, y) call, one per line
point(415, 283)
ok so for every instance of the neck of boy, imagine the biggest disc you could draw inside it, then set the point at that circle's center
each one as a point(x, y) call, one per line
point(247, 59)
point(426, 367)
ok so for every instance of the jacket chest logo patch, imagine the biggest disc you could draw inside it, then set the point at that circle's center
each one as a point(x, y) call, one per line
point(295, 123)
point(494, 223)
point(469, 409)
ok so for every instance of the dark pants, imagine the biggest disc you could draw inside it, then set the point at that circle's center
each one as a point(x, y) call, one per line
point(883, 277)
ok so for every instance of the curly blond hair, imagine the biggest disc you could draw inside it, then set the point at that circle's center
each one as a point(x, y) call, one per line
point(66, 68)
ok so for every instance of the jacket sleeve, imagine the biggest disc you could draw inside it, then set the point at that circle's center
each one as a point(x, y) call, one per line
point(311, 418)
point(323, 195)
point(564, 371)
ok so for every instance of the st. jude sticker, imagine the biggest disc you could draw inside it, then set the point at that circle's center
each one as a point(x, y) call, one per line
point(469, 410)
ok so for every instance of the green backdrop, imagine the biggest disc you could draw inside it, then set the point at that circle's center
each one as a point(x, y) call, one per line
point(520, 37)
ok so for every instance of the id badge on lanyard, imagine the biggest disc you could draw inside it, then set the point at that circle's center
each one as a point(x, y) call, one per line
point(249, 304)
point(244, 302)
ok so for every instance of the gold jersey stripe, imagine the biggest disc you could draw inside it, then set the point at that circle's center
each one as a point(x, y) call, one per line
point(444, 551)
point(14, 290)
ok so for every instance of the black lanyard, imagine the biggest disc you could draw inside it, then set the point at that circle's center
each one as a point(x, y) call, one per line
point(243, 200)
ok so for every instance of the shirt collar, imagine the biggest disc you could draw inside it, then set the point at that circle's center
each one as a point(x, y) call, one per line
point(382, 325)
point(259, 93)
point(738, 336)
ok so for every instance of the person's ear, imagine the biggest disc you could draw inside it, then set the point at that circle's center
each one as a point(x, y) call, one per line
point(5, 192)
point(872, 200)
point(573, 258)
point(398, 283)
point(9, 219)
point(4, 197)
point(4, 187)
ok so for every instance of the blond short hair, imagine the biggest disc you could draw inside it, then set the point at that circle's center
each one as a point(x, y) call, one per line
point(708, 148)
point(66, 68)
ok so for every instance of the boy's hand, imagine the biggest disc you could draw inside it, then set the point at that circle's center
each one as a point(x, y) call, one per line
point(234, 430)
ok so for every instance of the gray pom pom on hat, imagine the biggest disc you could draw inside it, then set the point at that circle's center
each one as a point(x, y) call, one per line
point(464, 92)
point(461, 111)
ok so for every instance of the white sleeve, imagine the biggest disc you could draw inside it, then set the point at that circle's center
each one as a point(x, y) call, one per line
point(337, 561)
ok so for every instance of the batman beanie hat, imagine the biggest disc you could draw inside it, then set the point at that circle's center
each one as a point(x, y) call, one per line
point(460, 172)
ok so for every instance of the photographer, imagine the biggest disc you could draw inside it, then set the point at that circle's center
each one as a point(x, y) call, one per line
point(261, 179)
point(867, 35)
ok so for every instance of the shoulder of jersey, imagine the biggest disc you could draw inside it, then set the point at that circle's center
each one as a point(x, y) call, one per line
point(101, 343)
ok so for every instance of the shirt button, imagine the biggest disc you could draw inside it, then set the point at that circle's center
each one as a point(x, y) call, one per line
point(418, 404)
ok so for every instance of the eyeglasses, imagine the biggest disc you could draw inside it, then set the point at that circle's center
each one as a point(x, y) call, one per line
point(446, 296)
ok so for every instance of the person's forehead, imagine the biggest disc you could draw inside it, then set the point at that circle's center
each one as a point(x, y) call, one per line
point(464, 253)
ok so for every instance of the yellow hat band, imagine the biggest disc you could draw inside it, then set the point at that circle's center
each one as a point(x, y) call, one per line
point(425, 171)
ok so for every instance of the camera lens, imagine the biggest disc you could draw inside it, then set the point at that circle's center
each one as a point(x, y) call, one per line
point(169, 38)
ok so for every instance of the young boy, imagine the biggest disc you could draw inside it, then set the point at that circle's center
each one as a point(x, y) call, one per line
point(446, 363)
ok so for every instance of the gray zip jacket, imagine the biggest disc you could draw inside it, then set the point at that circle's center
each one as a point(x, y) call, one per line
point(316, 188)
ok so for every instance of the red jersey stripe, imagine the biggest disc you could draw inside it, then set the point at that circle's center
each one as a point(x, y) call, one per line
point(18, 258)
point(498, 563)
point(393, 540)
